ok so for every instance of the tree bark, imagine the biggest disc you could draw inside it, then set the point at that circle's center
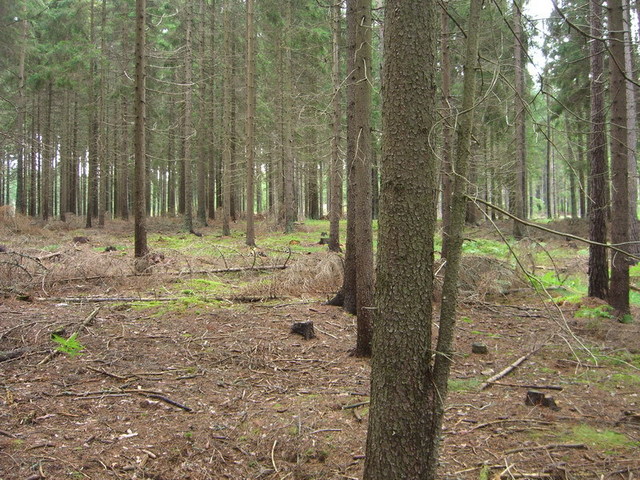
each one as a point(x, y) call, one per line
point(619, 285)
point(250, 121)
point(520, 192)
point(335, 204)
point(187, 122)
point(447, 128)
point(598, 264)
point(140, 227)
point(359, 21)
point(399, 439)
point(226, 122)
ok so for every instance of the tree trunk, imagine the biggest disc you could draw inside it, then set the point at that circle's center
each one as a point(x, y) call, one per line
point(287, 133)
point(226, 122)
point(204, 130)
point(21, 198)
point(359, 40)
point(520, 192)
point(335, 205)
point(187, 129)
point(619, 285)
point(400, 436)
point(632, 133)
point(250, 121)
point(92, 178)
point(447, 128)
point(47, 157)
point(140, 228)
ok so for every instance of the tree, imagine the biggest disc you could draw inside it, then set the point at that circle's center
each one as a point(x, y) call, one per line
point(250, 120)
point(226, 121)
point(140, 233)
point(619, 285)
point(359, 38)
point(335, 203)
point(519, 196)
point(401, 435)
point(447, 129)
point(186, 125)
point(598, 265)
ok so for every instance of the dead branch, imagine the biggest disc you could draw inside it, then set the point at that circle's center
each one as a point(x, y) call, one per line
point(507, 370)
point(168, 400)
point(239, 299)
point(10, 354)
point(615, 248)
point(551, 446)
point(535, 387)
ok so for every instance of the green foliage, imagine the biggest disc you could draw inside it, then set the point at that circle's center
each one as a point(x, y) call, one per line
point(606, 440)
point(482, 246)
point(486, 334)
point(600, 311)
point(626, 318)
point(463, 384)
point(69, 346)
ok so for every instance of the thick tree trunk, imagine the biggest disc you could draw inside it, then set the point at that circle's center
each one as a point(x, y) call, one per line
point(632, 133)
point(399, 439)
point(619, 285)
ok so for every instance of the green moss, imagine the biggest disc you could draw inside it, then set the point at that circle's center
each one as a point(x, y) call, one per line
point(463, 384)
point(605, 440)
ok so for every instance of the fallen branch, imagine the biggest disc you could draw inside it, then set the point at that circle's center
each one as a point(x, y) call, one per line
point(535, 387)
point(179, 273)
point(507, 370)
point(239, 299)
point(11, 354)
point(167, 400)
point(551, 446)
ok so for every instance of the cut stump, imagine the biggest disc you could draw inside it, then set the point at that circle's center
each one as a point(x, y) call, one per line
point(305, 329)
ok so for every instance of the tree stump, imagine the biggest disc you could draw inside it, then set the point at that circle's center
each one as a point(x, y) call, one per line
point(479, 348)
point(305, 329)
point(535, 397)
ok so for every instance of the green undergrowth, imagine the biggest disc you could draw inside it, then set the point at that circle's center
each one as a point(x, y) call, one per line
point(463, 384)
point(608, 441)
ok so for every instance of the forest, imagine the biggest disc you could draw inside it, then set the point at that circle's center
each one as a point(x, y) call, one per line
point(360, 239)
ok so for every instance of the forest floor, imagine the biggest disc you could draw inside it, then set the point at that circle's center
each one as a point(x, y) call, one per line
point(192, 372)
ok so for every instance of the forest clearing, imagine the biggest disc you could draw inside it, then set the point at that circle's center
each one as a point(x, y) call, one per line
point(192, 371)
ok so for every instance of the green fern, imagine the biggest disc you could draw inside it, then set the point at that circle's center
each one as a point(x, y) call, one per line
point(70, 345)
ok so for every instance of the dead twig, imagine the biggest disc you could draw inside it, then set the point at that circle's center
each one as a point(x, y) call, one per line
point(535, 387)
point(508, 370)
point(18, 352)
point(551, 446)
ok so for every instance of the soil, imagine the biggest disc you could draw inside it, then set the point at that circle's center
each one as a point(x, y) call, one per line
point(224, 390)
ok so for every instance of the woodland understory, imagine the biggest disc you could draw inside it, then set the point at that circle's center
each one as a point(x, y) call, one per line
point(191, 371)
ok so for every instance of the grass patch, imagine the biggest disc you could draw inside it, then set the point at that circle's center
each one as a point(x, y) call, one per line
point(463, 384)
point(600, 311)
point(481, 246)
point(605, 440)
